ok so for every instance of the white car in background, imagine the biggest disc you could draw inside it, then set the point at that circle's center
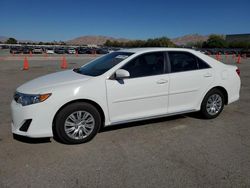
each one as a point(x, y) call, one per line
point(71, 51)
point(123, 86)
point(50, 51)
point(37, 50)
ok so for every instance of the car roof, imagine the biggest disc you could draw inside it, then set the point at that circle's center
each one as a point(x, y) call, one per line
point(209, 60)
point(144, 50)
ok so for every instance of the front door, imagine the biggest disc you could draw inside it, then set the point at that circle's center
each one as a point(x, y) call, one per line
point(143, 94)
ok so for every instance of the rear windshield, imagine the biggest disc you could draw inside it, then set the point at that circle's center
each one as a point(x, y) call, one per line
point(103, 64)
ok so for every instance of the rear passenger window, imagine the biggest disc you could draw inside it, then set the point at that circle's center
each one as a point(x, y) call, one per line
point(202, 64)
point(182, 61)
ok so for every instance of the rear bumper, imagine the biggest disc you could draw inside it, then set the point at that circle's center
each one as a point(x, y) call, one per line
point(233, 99)
point(234, 90)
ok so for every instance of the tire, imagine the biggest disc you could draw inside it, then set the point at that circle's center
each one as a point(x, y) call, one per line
point(77, 123)
point(212, 104)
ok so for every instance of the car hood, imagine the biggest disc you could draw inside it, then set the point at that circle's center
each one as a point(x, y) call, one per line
point(51, 81)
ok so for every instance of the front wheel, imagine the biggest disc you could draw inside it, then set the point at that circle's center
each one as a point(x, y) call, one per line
point(212, 104)
point(77, 123)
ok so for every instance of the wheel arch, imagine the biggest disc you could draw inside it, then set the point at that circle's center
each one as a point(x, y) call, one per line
point(96, 105)
point(222, 89)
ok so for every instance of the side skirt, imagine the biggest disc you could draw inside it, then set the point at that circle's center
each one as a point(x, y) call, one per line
point(150, 117)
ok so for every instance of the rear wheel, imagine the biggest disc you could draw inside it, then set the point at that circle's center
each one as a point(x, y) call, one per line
point(77, 123)
point(212, 104)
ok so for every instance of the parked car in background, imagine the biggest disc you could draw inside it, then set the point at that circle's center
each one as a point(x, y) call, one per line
point(123, 86)
point(245, 52)
point(82, 50)
point(102, 51)
point(112, 50)
point(5, 47)
point(229, 52)
point(91, 51)
point(71, 51)
point(26, 50)
point(85, 50)
point(60, 50)
point(15, 50)
point(49, 51)
point(37, 50)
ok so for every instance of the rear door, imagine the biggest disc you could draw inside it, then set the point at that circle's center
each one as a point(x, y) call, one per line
point(189, 79)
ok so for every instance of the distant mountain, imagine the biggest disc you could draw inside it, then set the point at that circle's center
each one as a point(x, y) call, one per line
point(99, 40)
point(192, 38)
point(91, 39)
point(3, 38)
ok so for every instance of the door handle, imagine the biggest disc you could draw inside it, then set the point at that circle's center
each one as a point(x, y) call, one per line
point(208, 75)
point(162, 81)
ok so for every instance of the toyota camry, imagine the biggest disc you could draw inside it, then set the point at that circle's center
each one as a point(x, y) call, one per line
point(123, 86)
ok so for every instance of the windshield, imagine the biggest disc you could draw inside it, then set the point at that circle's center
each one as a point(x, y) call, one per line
point(103, 64)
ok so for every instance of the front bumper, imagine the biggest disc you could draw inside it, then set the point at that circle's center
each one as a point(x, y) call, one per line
point(41, 116)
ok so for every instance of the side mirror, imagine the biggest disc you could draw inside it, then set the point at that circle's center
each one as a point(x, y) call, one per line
point(121, 73)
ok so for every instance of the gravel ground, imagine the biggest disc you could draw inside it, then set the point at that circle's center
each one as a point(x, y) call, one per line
point(179, 151)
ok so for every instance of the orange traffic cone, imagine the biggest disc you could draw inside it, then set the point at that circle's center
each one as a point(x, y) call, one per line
point(64, 64)
point(25, 64)
point(238, 59)
point(30, 54)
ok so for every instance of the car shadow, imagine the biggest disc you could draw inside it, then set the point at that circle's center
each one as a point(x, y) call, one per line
point(31, 140)
point(110, 128)
point(141, 123)
point(194, 115)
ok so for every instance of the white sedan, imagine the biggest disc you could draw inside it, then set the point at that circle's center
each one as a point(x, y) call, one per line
point(50, 51)
point(71, 51)
point(123, 86)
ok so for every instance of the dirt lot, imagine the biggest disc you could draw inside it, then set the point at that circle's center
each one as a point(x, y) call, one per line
point(180, 151)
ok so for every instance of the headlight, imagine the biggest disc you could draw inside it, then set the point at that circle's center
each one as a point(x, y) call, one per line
point(27, 99)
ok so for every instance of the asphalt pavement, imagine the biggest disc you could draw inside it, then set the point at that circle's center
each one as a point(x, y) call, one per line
point(178, 151)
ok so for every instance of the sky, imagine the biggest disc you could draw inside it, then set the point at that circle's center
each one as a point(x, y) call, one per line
point(48, 20)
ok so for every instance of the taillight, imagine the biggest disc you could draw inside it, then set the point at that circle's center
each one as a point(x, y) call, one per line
point(238, 71)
